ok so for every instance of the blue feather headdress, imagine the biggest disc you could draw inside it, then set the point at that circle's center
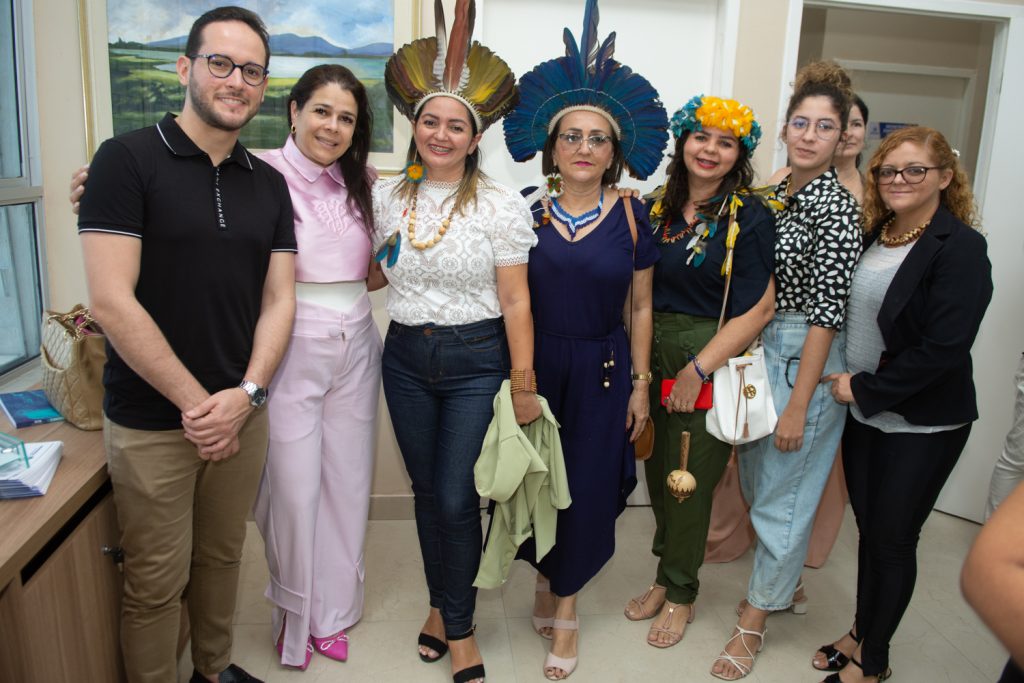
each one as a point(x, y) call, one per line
point(588, 78)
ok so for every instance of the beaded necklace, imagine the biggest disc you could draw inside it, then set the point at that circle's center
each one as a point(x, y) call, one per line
point(574, 223)
point(700, 235)
point(445, 222)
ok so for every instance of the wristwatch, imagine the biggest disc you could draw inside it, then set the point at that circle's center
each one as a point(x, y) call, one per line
point(257, 394)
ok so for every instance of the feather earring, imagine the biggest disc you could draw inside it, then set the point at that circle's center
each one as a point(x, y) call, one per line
point(414, 171)
point(390, 249)
point(554, 184)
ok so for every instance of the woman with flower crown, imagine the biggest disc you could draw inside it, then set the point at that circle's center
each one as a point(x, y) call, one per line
point(454, 244)
point(708, 179)
point(590, 284)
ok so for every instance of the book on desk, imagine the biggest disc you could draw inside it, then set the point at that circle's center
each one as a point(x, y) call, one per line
point(27, 408)
point(19, 481)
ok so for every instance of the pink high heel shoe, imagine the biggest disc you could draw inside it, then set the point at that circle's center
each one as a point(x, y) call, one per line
point(335, 647)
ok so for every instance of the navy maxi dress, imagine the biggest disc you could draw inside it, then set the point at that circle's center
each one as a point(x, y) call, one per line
point(578, 292)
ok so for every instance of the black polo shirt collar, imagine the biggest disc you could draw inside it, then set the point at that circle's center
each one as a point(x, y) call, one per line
point(181, 145)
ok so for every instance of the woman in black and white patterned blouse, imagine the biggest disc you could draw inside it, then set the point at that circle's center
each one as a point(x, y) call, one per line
point(818, 242)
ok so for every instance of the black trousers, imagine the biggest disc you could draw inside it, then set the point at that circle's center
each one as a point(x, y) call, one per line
point(893, 480)
point(1012, 673)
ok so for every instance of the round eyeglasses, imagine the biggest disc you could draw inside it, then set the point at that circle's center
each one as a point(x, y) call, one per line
point(221, 67)
point(912, 175)
point(575, 140)
point(825, 129)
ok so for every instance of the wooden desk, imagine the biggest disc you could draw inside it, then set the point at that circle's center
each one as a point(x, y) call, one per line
point(60, 597)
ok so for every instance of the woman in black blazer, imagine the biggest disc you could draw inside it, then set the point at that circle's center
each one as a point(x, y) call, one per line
point(916, 303)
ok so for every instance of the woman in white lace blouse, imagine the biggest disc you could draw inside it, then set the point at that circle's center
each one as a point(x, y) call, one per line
point(454, 246)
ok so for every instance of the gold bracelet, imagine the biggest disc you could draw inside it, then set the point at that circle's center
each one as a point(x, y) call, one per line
point(643, 376)
point(522, 380)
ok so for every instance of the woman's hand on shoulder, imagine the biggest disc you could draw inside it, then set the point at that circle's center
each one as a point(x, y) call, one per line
point(627, 192)
point(78, 179)
point(526, 407)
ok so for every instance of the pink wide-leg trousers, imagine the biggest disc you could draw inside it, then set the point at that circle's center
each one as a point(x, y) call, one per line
point(314, 497)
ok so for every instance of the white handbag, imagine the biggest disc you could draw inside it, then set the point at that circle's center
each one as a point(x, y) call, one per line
point(743, 409)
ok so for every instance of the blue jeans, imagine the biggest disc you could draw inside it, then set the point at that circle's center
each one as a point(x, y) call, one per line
point(440, 383)
point(784, 489)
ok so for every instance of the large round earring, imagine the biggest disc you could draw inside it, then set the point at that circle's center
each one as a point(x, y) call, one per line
point(293, 129)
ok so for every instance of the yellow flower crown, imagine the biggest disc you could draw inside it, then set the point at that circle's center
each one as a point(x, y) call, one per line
point(715, 112)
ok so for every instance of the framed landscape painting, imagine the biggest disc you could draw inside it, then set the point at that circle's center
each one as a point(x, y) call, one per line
point(130, 48)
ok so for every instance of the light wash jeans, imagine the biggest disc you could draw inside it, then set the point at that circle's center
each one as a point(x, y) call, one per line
point(784, 489)
point(1009, 469)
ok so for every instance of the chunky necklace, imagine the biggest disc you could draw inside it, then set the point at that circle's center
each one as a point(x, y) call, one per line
point(905, 238)
point(574, 223)
point(440, 231)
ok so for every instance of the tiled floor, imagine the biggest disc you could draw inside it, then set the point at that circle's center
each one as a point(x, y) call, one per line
point(940, 638)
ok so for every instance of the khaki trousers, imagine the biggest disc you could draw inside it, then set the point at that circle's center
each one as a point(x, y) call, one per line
point(182, 523)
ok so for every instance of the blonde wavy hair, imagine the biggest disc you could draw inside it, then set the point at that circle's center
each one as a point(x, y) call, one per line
point(957, 197)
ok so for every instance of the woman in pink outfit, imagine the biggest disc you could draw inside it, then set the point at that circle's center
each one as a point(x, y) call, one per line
point(314, 497)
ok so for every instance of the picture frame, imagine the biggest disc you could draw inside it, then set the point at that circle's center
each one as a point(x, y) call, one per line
point(111, 107)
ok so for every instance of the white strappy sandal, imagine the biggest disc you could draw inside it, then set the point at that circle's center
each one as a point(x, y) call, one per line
point(744, 669)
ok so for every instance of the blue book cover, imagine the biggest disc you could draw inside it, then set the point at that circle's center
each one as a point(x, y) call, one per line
point(26, 408)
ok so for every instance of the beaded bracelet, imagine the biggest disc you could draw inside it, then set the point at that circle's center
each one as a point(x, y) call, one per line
point(700, 371)
point(522, 380)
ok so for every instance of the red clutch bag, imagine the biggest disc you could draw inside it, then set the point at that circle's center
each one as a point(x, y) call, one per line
point(704, 398)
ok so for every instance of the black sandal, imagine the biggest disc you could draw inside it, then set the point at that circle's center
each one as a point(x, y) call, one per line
point(470, 673)
point(834, 659)
point(435, 644)
point(834, 678)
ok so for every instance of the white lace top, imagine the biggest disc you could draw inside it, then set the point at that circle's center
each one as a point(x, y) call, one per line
point(454, 282)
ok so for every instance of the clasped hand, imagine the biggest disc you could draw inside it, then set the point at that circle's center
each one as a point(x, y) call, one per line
point(213, 425)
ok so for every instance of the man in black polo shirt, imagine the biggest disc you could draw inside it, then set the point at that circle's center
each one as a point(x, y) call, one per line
point(189, 253)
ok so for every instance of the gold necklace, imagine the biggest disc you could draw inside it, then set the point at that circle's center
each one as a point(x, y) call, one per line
point(440, 231)
point(905, 238)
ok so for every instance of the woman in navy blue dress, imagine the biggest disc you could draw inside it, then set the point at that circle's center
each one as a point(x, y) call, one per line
point(590, 289)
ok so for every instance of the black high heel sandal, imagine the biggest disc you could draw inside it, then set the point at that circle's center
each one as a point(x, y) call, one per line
point(834, 678)
point(435, 644)
point(469, 673)
point(835, 660)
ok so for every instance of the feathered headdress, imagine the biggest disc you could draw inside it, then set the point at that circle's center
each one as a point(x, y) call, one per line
point(588, 78)
point(454, 67)
point(715, 112)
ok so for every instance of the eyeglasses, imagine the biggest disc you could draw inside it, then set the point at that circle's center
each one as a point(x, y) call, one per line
point(222, 67)
point(594, 142)
point(912, 175)
point(824, 128)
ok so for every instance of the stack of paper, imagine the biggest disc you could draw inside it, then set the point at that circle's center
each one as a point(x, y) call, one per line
point(18, 481)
